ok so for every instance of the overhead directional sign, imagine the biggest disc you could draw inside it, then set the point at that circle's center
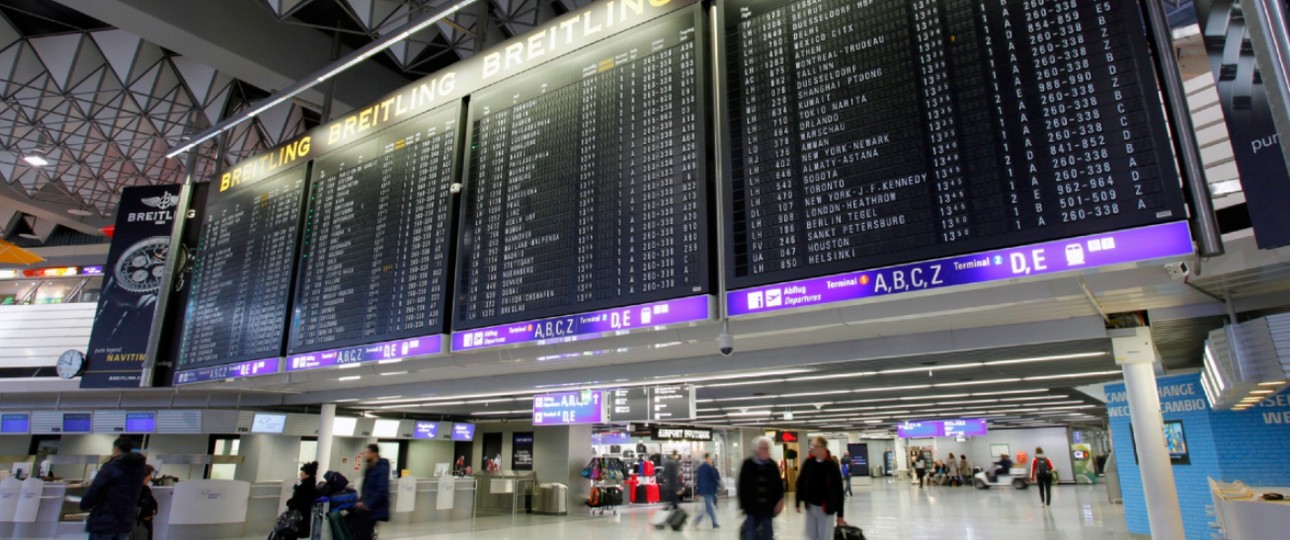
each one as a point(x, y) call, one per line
point(568, 408)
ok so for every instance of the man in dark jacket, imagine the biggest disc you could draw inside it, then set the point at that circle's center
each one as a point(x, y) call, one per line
point(374, 505)
point(761, 492)
point(672, 480)
point(113, 498)
point(707, 484)
point(819, 485)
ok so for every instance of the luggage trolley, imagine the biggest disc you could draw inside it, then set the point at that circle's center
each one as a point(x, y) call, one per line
point(606, 496)
point(328, 523)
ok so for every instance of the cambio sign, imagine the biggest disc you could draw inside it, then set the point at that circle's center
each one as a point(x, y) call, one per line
point(1183, 397)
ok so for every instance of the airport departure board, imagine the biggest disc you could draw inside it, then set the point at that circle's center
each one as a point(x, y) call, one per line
point(867, 133)
point(241, 274)
point(377, 237)
point(587, 185)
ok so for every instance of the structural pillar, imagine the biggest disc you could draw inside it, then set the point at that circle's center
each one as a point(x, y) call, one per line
point(326, 422)
point(902, 455)
point(1136, 354)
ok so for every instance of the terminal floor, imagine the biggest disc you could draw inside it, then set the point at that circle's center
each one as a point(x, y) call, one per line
point(886, 510)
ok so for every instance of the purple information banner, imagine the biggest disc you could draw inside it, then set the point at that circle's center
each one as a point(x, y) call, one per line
point(250, 368)
point(920, 430)
point(389, 350)
point(587, 325)
point(567, 408)
point(426, 430)
point(1154, 242)
point(968, 427)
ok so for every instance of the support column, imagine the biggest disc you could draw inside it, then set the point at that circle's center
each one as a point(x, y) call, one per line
point(326, 422)
point(902, 455)
point(1136, 355)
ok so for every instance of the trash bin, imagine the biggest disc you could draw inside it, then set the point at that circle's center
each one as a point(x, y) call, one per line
point(552, 499)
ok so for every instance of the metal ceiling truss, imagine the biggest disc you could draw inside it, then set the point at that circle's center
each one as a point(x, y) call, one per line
point(103, 106)
point(463, 34)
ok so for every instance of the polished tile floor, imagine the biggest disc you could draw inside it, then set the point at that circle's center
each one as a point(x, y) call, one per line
point(886, 510)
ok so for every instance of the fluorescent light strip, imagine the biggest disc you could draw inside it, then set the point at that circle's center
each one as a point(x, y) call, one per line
point(942, 396)
point(498, 413)
point(749, 413)
point(350, 378)
point(809, 394)
point(834, 376)
point(1045, 358)
point(1008, 392)
point(1074, 375)
point(895, 388)
point(743, 383)
point(974, 383)
point(521, 395)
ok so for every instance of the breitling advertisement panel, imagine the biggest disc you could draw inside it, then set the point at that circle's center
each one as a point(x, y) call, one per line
point(132, 278)
point(1254, 137)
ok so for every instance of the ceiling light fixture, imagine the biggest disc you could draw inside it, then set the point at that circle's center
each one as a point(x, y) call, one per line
point(1007, 392)
point(350, 378)
point(35, 160)
point(388, 373)
point(974, 383)
point(833, 376)
point(1074, 375)
point(895, 388)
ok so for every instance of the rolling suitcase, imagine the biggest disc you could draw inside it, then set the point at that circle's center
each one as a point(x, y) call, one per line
point(676, 519)
point(847, 532)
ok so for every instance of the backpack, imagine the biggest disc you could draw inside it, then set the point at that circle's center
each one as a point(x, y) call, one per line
point(1042, 467)
point(333, 482)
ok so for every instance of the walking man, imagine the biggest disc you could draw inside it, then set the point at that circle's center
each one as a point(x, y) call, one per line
point(113, 497)
point(375, 503)
point(708, 483)
point(761, 492)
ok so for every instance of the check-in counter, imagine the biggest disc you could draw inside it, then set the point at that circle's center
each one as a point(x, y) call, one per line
point(30, 508)
point(1242, 514)
point(428, 500)
point(505, 493)
point(200, 509)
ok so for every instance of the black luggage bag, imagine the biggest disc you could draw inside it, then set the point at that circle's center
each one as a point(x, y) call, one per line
point(847, 532)
point(676, 519)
